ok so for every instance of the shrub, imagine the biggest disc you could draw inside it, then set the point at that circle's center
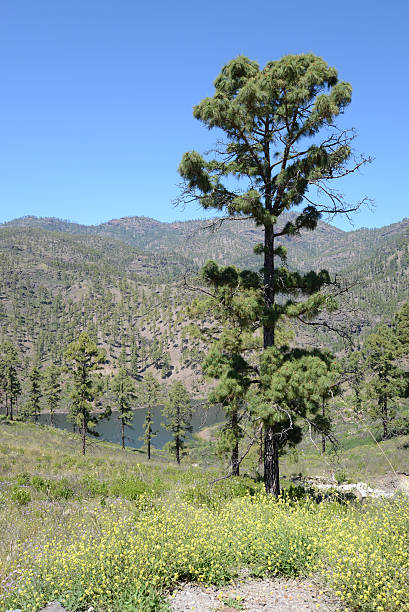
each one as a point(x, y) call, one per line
point(128, 488)
point(60, 489)
point(20, 496)
point(38, 483)
point(93, 486)
point(23, 479)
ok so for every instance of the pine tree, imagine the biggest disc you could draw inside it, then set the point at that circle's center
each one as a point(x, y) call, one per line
point(83, 357)
point(9, 379)
point(134, 359)
point(123, 358)
point(387, 381)
point(401, 324)
point(150, 396)
point(234, 305)
point(267, 116)
point(354, 367)
point(52, 389)
point(34, 393)
point(177, 411)
point(124, 391)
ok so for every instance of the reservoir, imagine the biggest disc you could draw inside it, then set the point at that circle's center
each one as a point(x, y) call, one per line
point(110, 429)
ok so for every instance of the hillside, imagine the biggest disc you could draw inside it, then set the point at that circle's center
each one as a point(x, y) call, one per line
point(54, 285)
point(122, 281)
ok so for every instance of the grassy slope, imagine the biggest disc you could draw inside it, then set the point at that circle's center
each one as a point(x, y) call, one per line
point(113, 531)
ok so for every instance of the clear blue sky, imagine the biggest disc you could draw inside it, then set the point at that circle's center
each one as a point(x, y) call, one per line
point(97, 96)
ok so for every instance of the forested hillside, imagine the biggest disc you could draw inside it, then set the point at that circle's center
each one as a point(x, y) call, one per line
point(122, 282)
point(55, 285)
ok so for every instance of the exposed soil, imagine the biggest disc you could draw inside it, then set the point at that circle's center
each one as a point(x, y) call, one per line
point(255, 596)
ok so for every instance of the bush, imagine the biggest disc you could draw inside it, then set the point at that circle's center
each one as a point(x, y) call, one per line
point(60, 489)
point(93, 486)
point(204, 494)
point(38, 483)
point(20, 496)
point(23, 479)
point(128, 488)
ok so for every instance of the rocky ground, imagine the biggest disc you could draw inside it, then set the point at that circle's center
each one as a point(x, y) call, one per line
point(255, 596)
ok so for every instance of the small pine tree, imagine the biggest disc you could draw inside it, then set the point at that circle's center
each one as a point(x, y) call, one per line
point(387, 381)
point(401, 323)
point(9, 380)
point(134, 360)
point(150, 396)
point(124, 391)
point(123, 359)
point(52, 389)
point(178, 414)
point(34, 393)
point(83, 357)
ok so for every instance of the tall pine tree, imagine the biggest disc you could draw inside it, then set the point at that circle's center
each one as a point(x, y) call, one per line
point(282, 144)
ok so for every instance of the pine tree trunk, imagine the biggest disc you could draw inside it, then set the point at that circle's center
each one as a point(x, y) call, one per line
point(235, 467)
point(269, 295)
point(271, 466)
point(385, 419)
point(11, 409)
point(52, 418)
point(149, 433)
point(177, 446)
point(83, 435)
point(261, 452)
point(123, 434)
point(323, 439)
point(7, 406)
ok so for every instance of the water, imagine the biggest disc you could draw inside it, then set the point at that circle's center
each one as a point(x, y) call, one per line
point(110, 429)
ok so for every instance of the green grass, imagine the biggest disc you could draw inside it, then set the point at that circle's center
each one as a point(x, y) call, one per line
point(97, 530)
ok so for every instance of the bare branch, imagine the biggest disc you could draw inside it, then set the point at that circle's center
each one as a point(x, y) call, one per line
point(246, 452)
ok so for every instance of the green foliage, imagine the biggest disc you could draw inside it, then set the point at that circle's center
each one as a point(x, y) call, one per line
point(52, 388)
point(386, 381)
point(34, 393)
point(23, 479)
point(214, 496)
point(59, 489)
point(177, 411)
point(124, 391)
point(401, 326)
point(149, 395)
point(20, 496)
point(128, 488)
point(9, 381)
point(83, 357)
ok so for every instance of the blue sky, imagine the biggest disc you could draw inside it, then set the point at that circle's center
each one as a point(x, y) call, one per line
point(97, 95)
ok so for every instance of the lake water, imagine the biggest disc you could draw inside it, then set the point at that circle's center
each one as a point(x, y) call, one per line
point(110, 429)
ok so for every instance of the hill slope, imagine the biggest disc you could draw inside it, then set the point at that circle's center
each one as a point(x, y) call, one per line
point(122, 281)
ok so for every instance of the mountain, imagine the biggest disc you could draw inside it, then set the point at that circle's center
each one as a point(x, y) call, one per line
point(233, 241)
point(122, 281)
